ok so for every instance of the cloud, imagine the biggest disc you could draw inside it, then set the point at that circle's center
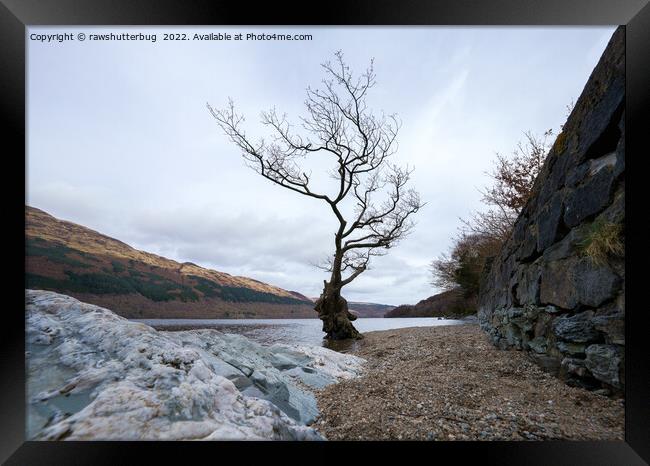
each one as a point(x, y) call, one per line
point(132, 152)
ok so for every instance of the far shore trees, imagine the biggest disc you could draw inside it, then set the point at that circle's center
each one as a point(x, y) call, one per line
point(360, 144)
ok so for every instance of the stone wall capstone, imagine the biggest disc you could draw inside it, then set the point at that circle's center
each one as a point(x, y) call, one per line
point(557, 288)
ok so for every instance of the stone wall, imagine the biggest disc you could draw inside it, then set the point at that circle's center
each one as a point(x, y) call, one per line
point(557, 289)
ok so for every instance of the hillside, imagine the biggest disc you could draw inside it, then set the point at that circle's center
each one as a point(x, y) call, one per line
point(449, 304)
point(69, 258)
point(369, 309)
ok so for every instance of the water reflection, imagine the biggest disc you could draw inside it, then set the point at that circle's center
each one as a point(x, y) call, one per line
point(342, 346)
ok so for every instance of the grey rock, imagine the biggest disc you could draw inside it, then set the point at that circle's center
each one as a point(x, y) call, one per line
point(556, 284)
point(605, 363)
point(615, 213)
point(612, 326)
point(594, 284)
point(538, 345)
point(528, 247)
point(577, 329)
point(603, 113)
point(576, 280)
point(620, 149)
point(589, 198)
point(97, 376)
point(577, 174)
point(527, 281)
point(551, 309)
point(513, 336)
point(549, 221)
point(562, 160)
point(566, 247)
point(573, 349)
point(541, 327)
point(606, 161)
point(574, 366)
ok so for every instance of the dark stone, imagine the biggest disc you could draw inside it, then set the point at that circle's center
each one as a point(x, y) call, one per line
point(594, 284)
point(589, 198)
point(542, 324)
point(574, 349)
point(612, 326)
point(558, 174)
point(556, 286)
point(575, 374)
point(576, 329)
point(551, 309)
point(563, 248)
point(548, 222)
point(528, 284)
point(519, 229)
point(577, 174)
point(600, 132)
point(615, 213)
point(538, 345)
point(573, 366)
point(528, 246)
point(524, 319)
point(576, 280)
point(605, 363)
point(620, 149)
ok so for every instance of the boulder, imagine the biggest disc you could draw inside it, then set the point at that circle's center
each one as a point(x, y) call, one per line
point(93, 375)
point(612, 326)
point(556, 284)
point(574, 366)
point(576, 329)
point(548, 222)
point(577, 280)
point(605, 363)
point(538, 345)
point(573, 349)
point(589, 198)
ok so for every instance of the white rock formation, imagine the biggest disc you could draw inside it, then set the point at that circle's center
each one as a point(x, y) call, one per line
point(93, 375)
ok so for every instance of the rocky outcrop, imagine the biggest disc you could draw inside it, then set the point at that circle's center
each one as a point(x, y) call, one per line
point(557, 288)
point(93, 375)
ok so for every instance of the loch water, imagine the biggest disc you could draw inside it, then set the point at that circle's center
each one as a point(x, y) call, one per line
point(293, 331)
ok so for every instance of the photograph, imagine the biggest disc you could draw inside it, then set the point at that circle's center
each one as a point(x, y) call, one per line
point(325, 233)
point(386, 229)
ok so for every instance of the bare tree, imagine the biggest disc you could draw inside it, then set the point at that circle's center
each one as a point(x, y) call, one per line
point(513, 178)
point(338, 123)
point(483, 233)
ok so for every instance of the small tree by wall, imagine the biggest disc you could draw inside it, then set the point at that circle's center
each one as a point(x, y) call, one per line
point(482, 235)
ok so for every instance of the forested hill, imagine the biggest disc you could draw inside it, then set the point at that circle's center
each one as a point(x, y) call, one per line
point(449, 304)
point(72, 259)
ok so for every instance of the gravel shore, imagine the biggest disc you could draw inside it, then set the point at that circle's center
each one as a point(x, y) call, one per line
point(450, 383)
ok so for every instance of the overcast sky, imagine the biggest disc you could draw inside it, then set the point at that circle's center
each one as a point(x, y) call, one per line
point(119, 138)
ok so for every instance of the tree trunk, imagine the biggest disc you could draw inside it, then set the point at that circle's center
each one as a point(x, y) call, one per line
point(333, 310)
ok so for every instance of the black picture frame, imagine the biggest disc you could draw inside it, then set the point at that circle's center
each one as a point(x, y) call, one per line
point(16, 15)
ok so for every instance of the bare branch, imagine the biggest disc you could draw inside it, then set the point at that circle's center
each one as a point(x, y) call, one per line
point(338, 124)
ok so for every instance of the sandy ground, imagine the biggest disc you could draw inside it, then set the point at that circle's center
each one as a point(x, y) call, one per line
point(450, 383)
